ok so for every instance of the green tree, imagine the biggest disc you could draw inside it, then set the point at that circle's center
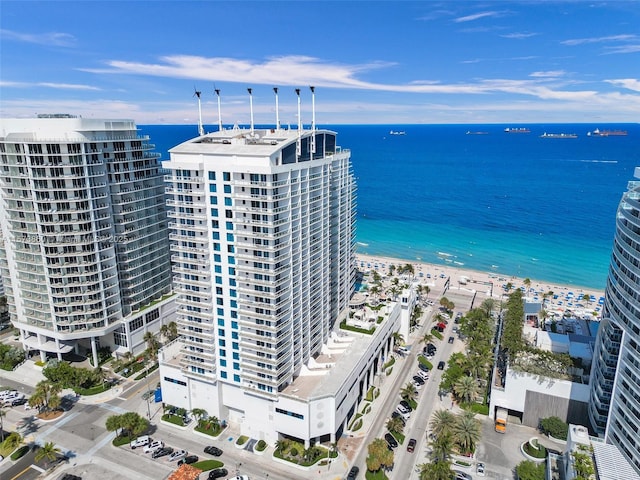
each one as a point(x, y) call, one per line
point(466, 389)
point(134, 424)
point(152, 345)
point(528, 470)
point(198, 414)
point(46, 394)
point(555, 427)
point(488, 304)
point(466, 431)
point(409, 392)
point(395, 425)
point(436, 471)
point(442, 447)
point(2, 414)
point(379, 455)
point(12, 441)
point(49, 452)
point(427, 338)
point(441, 422)
point(398, 339)
point(114, 424)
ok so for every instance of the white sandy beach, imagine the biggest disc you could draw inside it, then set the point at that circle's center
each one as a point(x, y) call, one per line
point(565, 297)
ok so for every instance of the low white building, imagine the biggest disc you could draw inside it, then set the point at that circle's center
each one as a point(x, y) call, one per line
point(533, 397)
point(316, 406)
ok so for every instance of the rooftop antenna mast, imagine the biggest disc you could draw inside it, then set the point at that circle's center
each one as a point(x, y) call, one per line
point(251, 107)
point(196, 93)
point(299, 142)
point(313, 119)
point(217, 90)
point(275, 90)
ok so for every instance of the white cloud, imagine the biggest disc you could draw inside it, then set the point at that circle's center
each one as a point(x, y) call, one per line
point(628, 83)
point(59, 86)
point(476, 16)
point(56, 39)
point(519, 36)
point(611, 38)
point(548, 74)
point(622, 49)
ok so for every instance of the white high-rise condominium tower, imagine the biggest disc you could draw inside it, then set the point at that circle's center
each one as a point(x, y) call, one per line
point(85, 252)
point(263, 230)
point(614, 407)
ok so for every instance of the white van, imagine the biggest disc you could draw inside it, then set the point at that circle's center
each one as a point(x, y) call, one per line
point(403, 350)
point(140, 442)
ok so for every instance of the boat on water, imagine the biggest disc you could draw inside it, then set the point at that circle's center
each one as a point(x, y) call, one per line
point(558, 135)
point(395, 132)
point(517, 130)
point(607, 133)
point(469, 132)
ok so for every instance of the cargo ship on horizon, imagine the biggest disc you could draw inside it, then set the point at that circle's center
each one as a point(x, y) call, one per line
point(607, 133)
point(517, 130)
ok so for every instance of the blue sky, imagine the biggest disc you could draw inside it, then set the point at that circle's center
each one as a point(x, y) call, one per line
point(370, 61)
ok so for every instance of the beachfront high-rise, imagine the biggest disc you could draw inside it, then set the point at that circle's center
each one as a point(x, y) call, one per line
point(85, 255)
point(614, 408)
point(262, 228)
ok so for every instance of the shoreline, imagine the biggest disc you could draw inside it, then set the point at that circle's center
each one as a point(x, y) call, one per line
point(565, 297)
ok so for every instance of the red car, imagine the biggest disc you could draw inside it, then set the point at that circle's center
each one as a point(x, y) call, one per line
point(411, 445)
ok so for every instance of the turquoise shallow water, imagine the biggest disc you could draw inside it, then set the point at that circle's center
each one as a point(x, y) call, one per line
point(514, 204)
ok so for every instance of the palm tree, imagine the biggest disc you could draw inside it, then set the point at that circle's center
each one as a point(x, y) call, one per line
point(198, 414)
point(395, 425)
point(441, 422)
point(435, 471)
point(398, 339)
point(49, 452)
point(114, 424)
point(488, 304)
point(152, 344)
point(427, 338)
point(409, 392)
point(13, 441)
point(281, 445)
point(466, 389)
point(46, 394)
point(379, 455)
point(466, 431)
point(442, 447)
point(527, 283)
point(133, 423)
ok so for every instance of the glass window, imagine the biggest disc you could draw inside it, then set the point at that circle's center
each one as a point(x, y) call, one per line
point(221, 322)
point(212, 175)
point(231, 260)
point(222, 342)
point(227, 201)
point(219, 280)
point(221, 311)
point(218, 268)
point(234, 324)
point(216, 235)
point(236, 378)
point(236, 355)
point(227, 189)
point(226, 176)
point(235, 346)
point(223, 374)
point(221, 332)
point(213, 200)
point(229, 225)
point(223, 362)
point(236, 366)
point(234, 304)
point(223, 353)
point(232, 271)
point(229, 237)
point(214, 212)
point(216, 247)
point(234, 335)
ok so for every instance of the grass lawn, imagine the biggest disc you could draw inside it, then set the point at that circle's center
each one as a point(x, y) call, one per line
point(379, 475)
point(207, 465)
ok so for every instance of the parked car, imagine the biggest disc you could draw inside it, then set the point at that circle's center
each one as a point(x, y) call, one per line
point(393, 443)
point(480, 469)
point(140, 441)
point(162, 452)
point(211, 450)
point(18, 401)
point(423, 367)
point(423, 375)
point(177, 455)
point(189, 459)
point(353, 473)
point(411, 445)
point(239, 477)
point(462, 476)
point(418, 379)
point(451, 339)
point(153, 446)
point(406, 405)
point(218, 473)
point(70, 476)
point(441, 365)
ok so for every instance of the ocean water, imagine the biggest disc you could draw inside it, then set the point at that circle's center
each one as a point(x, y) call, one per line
point(512, 204)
